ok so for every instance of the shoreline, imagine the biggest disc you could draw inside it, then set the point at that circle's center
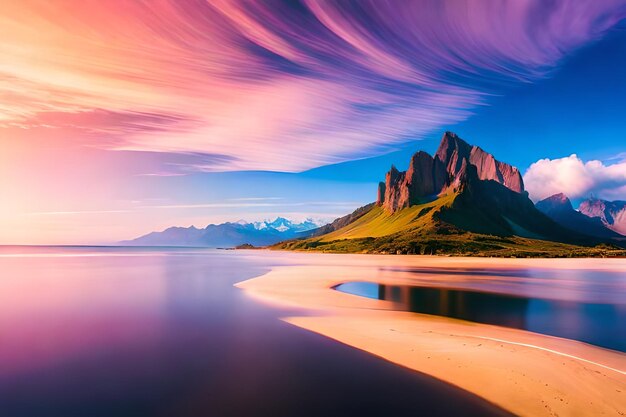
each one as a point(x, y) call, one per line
point(522, 372)
point(584, 253)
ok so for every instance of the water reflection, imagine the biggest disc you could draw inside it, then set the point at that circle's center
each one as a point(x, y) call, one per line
point(580, 285)
point(121, 332)
point(601, 324)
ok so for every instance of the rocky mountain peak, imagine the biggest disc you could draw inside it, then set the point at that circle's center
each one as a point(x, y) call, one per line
point(593, 207)
point(554, 203)
point(611, 213)
point(559, 208)
point(430, 176)
point(453, 151)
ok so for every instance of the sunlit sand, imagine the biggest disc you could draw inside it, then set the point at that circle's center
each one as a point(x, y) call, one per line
point(523, 372)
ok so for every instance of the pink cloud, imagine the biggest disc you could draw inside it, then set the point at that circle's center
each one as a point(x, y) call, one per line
point(281, 87)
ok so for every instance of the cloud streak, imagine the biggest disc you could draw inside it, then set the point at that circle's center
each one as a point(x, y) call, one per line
point(274, 86)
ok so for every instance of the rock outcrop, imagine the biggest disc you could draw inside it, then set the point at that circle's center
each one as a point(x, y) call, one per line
point(611, 213)
point(429, 176)
point(557, 203)
point(559, 208)
point(453, 151)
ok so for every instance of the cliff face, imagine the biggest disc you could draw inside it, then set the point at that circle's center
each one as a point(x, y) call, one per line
point(426, 176)
point(611, 213)
point(429, 176)
point(453, 151)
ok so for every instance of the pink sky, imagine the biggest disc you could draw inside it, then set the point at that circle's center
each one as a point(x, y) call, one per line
point(96, 93)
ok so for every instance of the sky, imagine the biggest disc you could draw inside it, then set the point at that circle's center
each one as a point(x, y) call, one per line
point(118, 118)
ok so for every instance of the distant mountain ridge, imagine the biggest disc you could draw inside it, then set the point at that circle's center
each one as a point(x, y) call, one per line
point(611, 213)
point(460, 201)
point(228, 234)
point(559, 208)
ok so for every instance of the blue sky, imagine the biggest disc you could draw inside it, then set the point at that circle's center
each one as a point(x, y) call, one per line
point(580, 108)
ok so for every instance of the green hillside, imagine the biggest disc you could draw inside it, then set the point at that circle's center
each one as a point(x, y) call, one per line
point(439, 227)
point(377, 222)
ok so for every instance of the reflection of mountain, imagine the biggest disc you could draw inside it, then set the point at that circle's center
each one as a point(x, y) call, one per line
point(480, 307)
point(227, 234)
point(461, 200)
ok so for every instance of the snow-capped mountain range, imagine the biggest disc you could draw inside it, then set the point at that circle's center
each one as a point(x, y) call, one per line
point(283, 225)
point(229, 234)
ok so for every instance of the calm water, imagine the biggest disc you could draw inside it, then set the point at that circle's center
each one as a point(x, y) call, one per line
point(140, 332)
point(598, 323)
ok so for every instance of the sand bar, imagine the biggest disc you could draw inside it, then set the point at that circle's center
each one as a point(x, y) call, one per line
point(523, 372)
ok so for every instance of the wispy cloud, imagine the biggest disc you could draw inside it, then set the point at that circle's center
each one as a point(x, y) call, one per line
point(620, 157)
point(283, 86)
point(253, 203)
point(248, 202)
point(256, 198)
point(73, 212)
point(162, 174)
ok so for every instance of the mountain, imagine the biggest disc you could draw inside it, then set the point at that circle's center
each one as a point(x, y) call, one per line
point(611, 213)
point(460, 201)
point(559, 208)
point(227, 234)
point(429, 176)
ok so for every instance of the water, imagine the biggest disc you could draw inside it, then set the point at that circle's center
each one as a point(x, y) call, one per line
point(153, 332)
point(598, 322)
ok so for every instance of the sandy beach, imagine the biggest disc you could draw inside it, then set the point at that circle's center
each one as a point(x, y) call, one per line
point(523, 372)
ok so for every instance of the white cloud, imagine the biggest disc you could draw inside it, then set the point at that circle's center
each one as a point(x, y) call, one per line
point(576, 178)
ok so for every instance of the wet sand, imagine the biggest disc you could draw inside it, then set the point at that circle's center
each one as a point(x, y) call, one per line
point(522, 372)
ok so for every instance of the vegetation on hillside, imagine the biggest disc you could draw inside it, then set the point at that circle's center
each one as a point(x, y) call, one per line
point(420, 230)
point(461, 244)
